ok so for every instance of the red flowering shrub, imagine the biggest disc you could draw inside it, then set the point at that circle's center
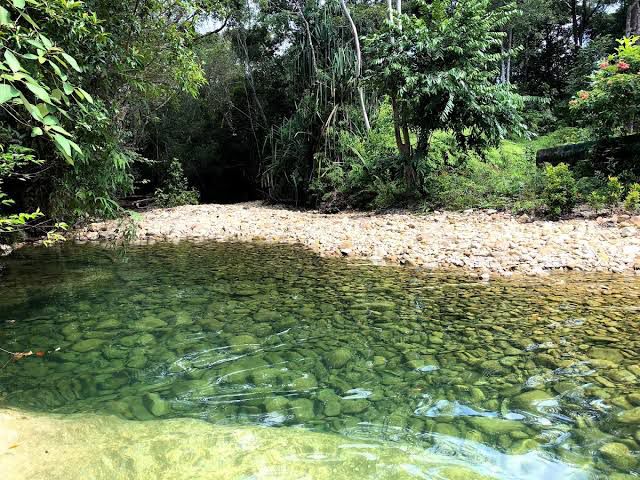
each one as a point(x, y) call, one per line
point(611, 106)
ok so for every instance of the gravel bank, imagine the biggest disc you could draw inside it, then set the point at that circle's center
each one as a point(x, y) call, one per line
point(484, 242)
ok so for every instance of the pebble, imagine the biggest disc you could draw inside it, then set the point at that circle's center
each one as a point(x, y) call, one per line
point(486, 242)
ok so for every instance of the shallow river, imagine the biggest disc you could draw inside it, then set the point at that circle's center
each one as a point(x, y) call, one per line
point(526, 379)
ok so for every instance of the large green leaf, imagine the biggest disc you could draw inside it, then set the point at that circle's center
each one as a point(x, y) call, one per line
point(72, 62)
point(12, 61)
point(68, 88)
point(5, 17)
point(38, 91)
point(7, 92)
point(85, 95)
point(32, 109)
point(18, 4)
point(64, 146)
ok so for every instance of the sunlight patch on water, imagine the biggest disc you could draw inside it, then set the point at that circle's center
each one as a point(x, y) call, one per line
point(82, 446)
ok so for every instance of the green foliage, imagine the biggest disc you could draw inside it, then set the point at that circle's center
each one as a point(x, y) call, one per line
point(559, 191)
point(442, 72)
point(607, 194)
point(632, 200)
point(611, 104)
point(37, 86)
point(175, 190)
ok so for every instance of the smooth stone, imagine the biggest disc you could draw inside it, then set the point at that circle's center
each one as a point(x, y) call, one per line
point(155, 404)
point(533, 400)
point(276, 404)
point(302, 409)
point(629, 416)
point(243, 343)
point(304, 383)
point(609, 354)
point(357, 405)
point(338, 358)
point(148, 322)
point(84, 346)
point(494, 426)
point(618, 455)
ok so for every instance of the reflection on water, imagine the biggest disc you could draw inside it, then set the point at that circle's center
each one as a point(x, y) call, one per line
point(531, 377)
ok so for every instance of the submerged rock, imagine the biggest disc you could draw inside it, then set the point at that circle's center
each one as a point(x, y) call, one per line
point(629, 416)
point(84, 346)
point(534, 401)
point(618, 455)
point(155, 404)
point(338, 358)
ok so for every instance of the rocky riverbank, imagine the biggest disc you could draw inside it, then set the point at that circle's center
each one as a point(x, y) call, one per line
point(485, 242)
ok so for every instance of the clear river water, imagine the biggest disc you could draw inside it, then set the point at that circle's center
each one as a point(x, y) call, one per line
point(526, 379)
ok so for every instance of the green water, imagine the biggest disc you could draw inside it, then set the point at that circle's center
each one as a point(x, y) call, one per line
point(530, 378)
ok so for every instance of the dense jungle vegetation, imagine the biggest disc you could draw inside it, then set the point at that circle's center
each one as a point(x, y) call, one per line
point(105, 104)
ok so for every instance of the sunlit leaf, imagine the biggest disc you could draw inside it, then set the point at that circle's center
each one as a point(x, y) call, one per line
point(12, 61)
point(38, 91)
point(72, 62)
point(36, 131)
point(18, 4)
point(5, 17)
point(64, 146)
point(7, 92)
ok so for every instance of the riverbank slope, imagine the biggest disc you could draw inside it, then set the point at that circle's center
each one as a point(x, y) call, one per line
point(485, 242)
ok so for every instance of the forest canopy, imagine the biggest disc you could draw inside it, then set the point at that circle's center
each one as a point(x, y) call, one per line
point(105, 104)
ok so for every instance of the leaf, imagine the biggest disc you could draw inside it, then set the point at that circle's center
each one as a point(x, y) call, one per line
point(72, 62)
point(50, 120)
point(57, 94)
point(47, 43)
point(12, 61)
point(19, 4)
point(86, 95)
point(64, 146)
point(38, 91)
point(36, 132)
point(59, 129)
point(35, 113)
point(68, 88)
point(5, 17)
point(7, 92)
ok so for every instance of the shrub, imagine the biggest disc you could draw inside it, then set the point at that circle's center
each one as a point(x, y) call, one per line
point(560, 190)
point(632, 200)
point(613, 192)
point(175, 190)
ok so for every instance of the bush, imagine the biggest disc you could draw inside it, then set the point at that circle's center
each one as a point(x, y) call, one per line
point(175, 190)
point(632, 200)
point(608, 194)
point(560, 190)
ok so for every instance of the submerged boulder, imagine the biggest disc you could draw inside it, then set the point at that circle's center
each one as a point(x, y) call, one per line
point(338, 358)
point(155, 404)
point(618, 455)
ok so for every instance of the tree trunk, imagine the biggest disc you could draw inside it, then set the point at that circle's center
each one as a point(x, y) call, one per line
point(356, 40)
point(509, 49)
point(633, 19)
point(574, 24)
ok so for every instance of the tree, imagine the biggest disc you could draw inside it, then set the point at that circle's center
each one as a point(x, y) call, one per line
point(633, 19)
point(445, 80)
point(611, 105)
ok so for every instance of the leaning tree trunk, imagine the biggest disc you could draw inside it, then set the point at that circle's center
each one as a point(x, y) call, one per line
point(356, 40)
point(633, 19)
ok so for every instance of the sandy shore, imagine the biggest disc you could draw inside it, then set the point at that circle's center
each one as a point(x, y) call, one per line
point(485, 242)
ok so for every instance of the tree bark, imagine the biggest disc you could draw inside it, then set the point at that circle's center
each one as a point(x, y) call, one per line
point(633, 19)
point(356, 40)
